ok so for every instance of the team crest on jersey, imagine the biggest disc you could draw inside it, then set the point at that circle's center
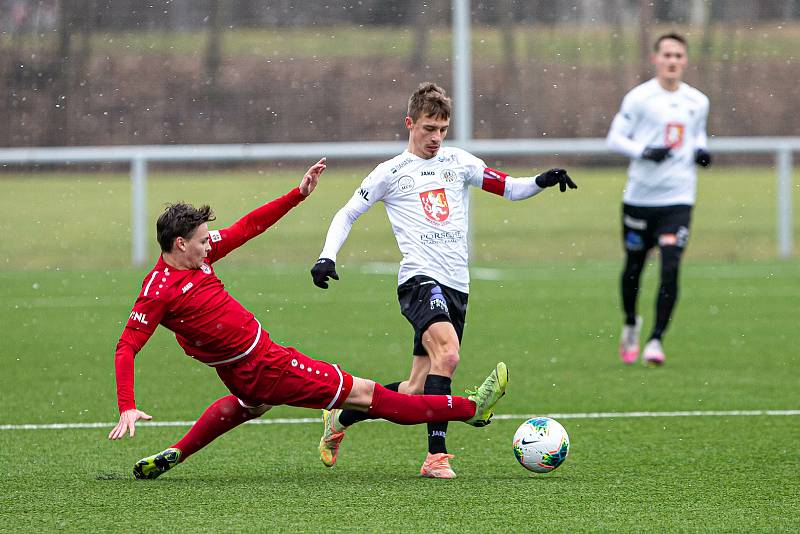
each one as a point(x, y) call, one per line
point(205, 268)
point(405, 184)
point(435, 206)
point(448, 176)
point(673, 134)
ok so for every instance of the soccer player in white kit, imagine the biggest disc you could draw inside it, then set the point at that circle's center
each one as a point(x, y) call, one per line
point(661, 126)
point(425, 192)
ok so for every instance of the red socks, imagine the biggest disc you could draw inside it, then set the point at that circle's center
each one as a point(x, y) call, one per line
point(224, 414)
point(414, 409)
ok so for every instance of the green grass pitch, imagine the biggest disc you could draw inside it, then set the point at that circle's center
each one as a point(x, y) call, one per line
point(544, 301)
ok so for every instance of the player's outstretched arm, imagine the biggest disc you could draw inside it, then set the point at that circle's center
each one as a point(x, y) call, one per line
point(127, 423)
point(311, 178)
point(511, 188)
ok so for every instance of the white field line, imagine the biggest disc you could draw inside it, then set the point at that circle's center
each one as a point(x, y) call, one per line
point(521, 417)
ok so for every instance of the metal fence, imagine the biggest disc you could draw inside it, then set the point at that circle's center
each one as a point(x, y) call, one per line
point(138, 157)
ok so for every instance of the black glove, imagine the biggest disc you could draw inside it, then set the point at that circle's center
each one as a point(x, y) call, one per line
point(656, 153)
point(702, 157)
point(553, 177)
point(323, 269)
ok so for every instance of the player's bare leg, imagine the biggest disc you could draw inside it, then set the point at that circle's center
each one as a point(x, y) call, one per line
point(222, 415)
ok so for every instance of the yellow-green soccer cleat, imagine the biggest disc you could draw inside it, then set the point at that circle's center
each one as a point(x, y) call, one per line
point(331, 438)
point(153, 466)
point(487, 395)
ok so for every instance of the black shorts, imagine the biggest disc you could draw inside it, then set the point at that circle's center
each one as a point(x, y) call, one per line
point(424, 301)
point(664, 226)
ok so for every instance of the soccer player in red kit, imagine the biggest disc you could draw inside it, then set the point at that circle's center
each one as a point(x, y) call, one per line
point(183, 293)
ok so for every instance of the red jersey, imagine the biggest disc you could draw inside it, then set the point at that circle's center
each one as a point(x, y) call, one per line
point(209, 324)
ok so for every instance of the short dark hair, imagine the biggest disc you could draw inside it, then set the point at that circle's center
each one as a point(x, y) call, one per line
point(429, 100)
point(672, 35)
point(180, 220)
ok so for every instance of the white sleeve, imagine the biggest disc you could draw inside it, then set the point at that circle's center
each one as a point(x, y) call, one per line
point(473, 167)
point(619, 138)
point(521, 188)
point(372, 189)
point(701, 137)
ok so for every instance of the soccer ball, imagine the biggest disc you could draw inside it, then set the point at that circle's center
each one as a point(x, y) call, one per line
point(541, 444)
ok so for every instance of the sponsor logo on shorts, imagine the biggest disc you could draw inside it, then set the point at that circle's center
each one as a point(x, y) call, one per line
point(437, 300)
point(405, 184)
point(633, 241)
point(636, 224)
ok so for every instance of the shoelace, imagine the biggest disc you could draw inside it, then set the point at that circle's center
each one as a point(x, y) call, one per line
point(477, 390)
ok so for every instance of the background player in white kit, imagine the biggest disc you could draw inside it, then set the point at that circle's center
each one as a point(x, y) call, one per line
point(425, 191)
point(661, 126)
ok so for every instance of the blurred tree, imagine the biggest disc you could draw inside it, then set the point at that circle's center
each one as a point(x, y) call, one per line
point(507, 39)
point(212, 56)
point(645, 22)
point(419, 18)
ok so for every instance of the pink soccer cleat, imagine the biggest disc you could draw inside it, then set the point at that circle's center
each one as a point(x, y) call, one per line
point(437, 466)
point(653, 353)
point(629, 342)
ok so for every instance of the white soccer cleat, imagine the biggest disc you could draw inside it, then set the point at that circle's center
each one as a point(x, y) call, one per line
point(653, 353)
point(629, 342)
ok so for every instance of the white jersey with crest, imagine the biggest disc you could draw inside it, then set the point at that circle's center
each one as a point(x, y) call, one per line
point(427, 201)
point(652, 116)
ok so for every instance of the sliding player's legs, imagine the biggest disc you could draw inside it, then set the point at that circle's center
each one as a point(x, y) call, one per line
point(224, 414)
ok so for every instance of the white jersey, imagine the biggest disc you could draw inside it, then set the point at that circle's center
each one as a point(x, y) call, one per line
point(652, 116)
point(427, 201)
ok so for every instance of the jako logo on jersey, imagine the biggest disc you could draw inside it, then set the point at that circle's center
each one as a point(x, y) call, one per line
point(427, 173)
point(364, 194)
point(405, 184)
point(434, 204)
point(187, 287)
point(139, 317)
point(205, 268)
point(673, 134)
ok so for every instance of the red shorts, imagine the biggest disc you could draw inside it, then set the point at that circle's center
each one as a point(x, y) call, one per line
point(276, 375)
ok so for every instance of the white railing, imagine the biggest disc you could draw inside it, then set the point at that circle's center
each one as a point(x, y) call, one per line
point(139, 156)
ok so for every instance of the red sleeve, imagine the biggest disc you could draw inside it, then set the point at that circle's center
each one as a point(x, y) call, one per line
point(254, 223)
point(123, 367)
point(148, 310)
point(494, 181)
